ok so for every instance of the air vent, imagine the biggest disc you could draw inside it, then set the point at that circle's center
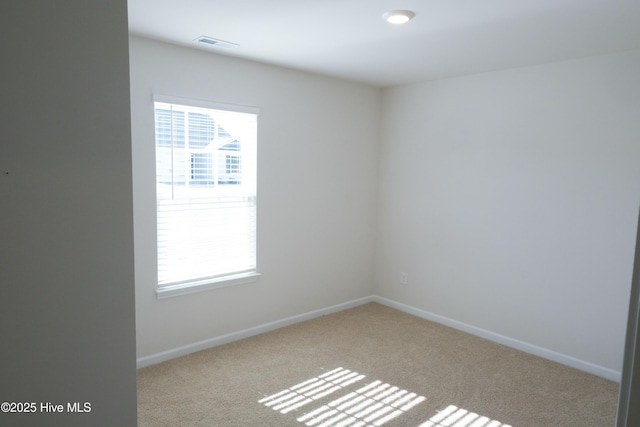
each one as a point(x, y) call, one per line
point(210, 41)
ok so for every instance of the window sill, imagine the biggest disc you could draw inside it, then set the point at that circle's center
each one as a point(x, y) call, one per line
point(206, 285)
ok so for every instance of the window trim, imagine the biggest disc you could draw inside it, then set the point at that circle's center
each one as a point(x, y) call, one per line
point(206, 104)
point(217, 282)
point(201, 285)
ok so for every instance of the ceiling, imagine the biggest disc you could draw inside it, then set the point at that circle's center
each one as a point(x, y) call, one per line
point(349, 39)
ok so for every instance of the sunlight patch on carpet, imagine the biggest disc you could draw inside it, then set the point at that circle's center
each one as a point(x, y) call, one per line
point(372, 405)
point(452, 416)
point(313, 389)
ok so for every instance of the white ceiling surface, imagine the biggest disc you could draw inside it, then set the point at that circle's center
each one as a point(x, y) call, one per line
point(349, 38)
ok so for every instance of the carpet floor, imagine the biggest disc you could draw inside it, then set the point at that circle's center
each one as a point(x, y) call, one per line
point(370, 366)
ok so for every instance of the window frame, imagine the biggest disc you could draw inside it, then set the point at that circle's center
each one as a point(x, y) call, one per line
point(212, 282)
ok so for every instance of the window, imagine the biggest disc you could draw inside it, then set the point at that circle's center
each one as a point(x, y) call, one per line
point(206, 195)
point(233, 164)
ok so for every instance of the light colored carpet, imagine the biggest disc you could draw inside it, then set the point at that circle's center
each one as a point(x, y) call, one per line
point(370, 365)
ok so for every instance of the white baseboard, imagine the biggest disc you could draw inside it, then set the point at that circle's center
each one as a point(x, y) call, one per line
point(245, 333)
point(573, 362)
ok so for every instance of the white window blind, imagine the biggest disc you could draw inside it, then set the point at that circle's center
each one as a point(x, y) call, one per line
point(206, 193)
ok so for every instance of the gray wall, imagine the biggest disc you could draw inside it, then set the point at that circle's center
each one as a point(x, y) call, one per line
point(66, 276)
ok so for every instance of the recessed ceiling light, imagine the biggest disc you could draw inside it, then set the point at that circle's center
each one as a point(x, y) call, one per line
point(398, 16)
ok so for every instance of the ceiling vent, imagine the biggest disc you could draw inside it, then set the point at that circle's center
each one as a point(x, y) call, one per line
point(210, 41)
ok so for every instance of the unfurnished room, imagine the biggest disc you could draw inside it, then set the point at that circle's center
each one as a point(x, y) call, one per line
point(303, 213)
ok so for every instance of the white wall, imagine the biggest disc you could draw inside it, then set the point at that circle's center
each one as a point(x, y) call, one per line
point(511, 200)
point(317, 166)
point(66, 222)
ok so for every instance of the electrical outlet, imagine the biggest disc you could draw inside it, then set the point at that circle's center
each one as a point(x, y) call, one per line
point(403, 277)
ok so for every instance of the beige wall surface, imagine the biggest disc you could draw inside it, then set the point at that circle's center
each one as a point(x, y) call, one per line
point(510, 199)
point(317, 165)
